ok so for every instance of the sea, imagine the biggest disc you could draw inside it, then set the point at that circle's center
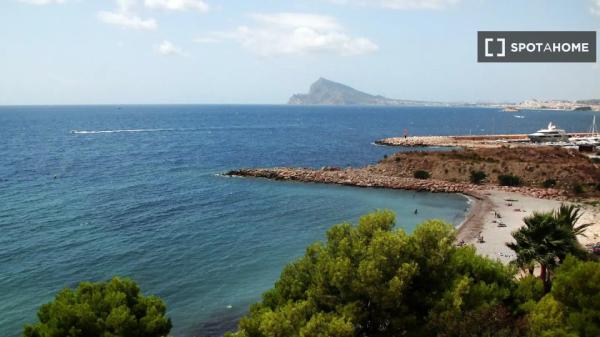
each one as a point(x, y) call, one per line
point(90, 192)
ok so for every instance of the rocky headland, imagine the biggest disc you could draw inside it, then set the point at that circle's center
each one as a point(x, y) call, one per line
point(542, 172)
point(326, 92)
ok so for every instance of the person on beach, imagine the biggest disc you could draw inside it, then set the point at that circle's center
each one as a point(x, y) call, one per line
point(480, 238)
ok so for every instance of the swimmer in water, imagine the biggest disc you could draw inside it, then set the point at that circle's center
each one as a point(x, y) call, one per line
point(416, 211)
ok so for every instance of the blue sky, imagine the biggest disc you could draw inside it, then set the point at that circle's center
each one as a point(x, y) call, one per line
point(234, 51)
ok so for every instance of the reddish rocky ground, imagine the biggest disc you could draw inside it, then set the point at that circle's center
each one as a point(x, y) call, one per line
point(533, 165)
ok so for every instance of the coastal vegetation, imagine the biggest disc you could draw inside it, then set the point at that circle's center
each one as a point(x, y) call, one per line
point(578, 189)
point(115, 308)
point(572, 307)
point(477, 177)
point(374, 280)
point(509, 180)
point(546, 240)
point(422, 174)
point(549, 183)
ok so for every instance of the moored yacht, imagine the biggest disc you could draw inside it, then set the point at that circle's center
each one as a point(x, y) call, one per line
point(549, 135)
point(592, 139)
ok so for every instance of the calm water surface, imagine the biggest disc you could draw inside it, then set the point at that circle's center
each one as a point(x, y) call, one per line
point(136, 191)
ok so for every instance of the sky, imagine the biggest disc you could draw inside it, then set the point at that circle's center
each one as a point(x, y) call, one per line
point(263, 51)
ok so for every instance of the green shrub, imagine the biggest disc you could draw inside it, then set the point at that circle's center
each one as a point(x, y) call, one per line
point(489, 321)
point(578, 188)
point(112, 308)
point(477, 177)
point(548, 183)
point(509, 180)
point(421, 174)
point(528, 292)
point(374, 280)
point(572, 307)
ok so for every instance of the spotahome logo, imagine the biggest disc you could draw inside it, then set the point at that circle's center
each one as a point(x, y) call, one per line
point(536, 46)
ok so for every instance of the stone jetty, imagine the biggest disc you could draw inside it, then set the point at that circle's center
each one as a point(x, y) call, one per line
point(455, 141)
point(469, 141)
point(365, 177)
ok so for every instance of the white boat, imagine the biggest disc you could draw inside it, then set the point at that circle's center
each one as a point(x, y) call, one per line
point(551, 134)
point(592, 139)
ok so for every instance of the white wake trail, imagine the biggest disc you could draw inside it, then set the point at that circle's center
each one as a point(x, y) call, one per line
point(83, 132)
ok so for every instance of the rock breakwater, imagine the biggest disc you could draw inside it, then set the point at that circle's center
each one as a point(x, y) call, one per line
point(364, 177)
point(455, 141)
point(469, 141)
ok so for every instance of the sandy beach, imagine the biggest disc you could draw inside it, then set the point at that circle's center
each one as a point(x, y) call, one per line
point(492, 208)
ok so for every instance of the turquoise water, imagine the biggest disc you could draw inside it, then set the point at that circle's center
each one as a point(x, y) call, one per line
point(94, 191)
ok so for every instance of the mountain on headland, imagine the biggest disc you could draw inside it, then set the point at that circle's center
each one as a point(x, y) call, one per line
point(326, 92)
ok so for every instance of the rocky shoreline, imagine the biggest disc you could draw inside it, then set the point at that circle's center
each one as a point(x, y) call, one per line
point(363, 177)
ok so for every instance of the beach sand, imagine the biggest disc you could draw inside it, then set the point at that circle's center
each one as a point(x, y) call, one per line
point(592, 234)
point(511, 208)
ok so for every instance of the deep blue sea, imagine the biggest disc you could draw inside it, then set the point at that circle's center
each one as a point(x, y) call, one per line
point(88, 192)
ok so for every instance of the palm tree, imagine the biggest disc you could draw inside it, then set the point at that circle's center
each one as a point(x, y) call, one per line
point(567, 217)
point(547, 238)
point(535, 243)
